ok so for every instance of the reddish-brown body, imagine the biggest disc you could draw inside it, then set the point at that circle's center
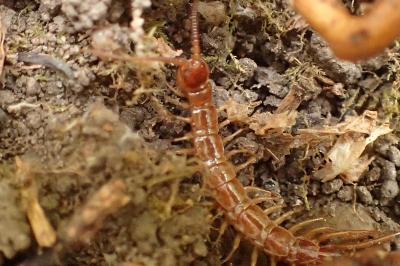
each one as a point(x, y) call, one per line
point(248, 218)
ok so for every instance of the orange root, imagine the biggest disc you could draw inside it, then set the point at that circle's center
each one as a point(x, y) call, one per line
point(352, 37)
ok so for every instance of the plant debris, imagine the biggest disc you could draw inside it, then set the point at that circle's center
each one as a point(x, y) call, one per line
point(344, 158)
point(41, 227)
point(87, 221)
point(261, 123)
point(2, 49)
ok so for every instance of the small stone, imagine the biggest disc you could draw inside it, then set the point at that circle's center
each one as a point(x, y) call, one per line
point(346, 193)
point(15, 234)
point(270, 184)
point(388, 170)
point(373, 175)
point(397, 209)
point(33, 119)
point(344, 71)
point(32, 87)
point(248, 67)
point(381, 146)
point(394, 155)
point(377, 214)
point(214, 12)
point(332, 186)
point(314, 189)
point(270, 78)
point(364, 195)
point(272, 100)
point(200, 249)
point(6, 97)
point(389, 189)
point(3, 119)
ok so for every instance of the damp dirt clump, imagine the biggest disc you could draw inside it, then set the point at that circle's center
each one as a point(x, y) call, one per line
point(162, 220)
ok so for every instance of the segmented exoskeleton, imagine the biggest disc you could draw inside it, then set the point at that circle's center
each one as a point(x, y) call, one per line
point(241, 211)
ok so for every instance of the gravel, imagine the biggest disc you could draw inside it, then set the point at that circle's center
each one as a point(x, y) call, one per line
point(394, 155)
point(388, 170)
point(364, 195)
point(346, 193)
point(332, 186)
point(389, 189)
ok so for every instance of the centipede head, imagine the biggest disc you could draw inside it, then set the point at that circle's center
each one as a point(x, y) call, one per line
point(192, 75)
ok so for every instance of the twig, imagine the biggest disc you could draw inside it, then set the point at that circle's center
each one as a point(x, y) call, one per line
point(41, 227)
point(48, 61)
point(85, 223)
point(2, 50)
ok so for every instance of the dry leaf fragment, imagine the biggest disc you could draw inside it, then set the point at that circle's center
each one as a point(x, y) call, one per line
point(165, 50)
point(261, 123)
point(235, 111)
point(365, 124)
point(345, 156)
point(292, 100)
point(106, 201)
point(41, 227)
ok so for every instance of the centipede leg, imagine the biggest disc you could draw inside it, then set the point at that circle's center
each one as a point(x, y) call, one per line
point(235, 246)
point(175, 91)
point(313, 233)
point(345, 235)
point(254, 257)
point(231, 153)
point(176, 102)
point(297, 227)
point(222, 230)
point(284, 217)
point(267, 194)
point(185, 152)
point(232, 136)
point(224, 123)
point(245, 164)
point(187, 137)
point(183, 119)
point(273, 261)
point(272, 209)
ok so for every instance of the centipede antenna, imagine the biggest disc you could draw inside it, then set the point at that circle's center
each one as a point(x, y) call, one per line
point(195, 31)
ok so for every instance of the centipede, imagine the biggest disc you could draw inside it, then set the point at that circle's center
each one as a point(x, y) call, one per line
point(242, 212)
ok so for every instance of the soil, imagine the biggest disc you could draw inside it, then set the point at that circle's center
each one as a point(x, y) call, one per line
point(79, 121)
